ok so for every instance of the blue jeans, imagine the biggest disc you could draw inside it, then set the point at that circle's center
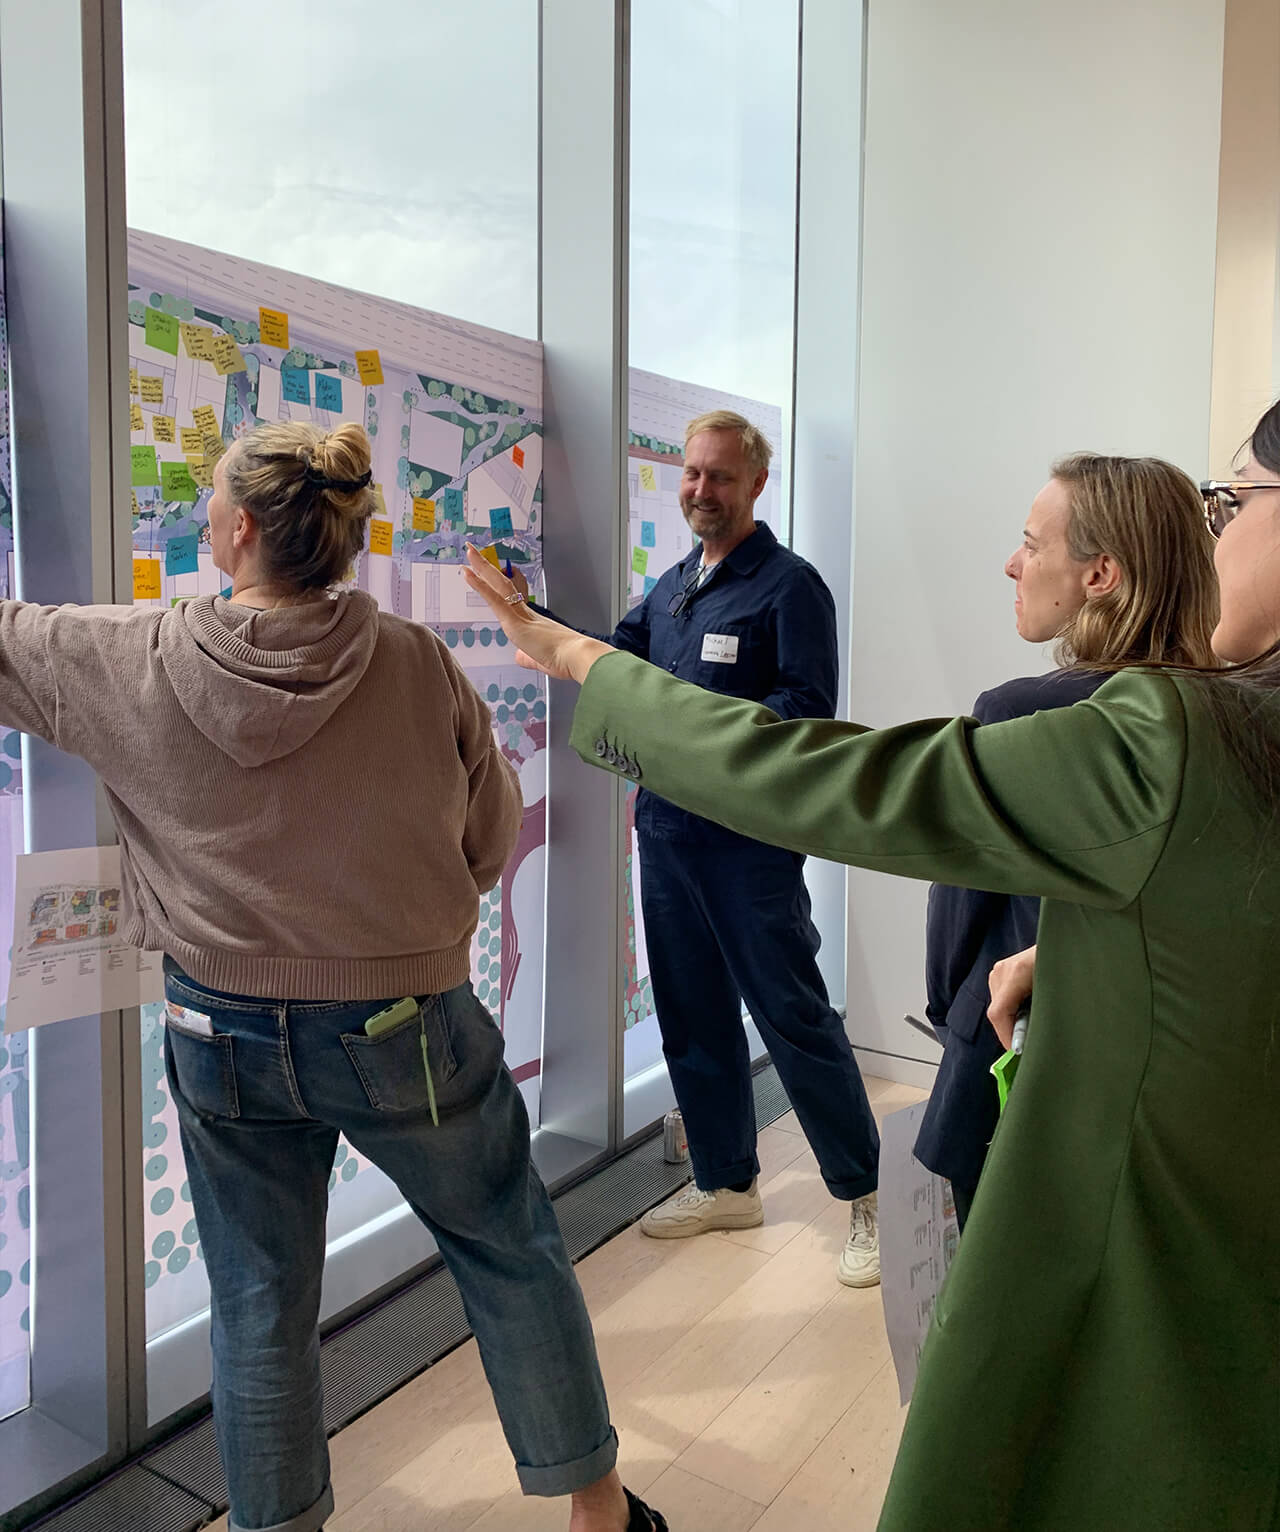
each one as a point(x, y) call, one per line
point(728, 922)
point(263, 1088)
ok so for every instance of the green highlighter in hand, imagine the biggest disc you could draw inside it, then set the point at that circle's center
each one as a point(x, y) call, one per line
point(1006, 1066)
point(402, 1010)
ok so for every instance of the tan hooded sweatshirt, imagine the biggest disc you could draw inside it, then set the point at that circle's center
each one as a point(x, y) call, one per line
point(310, 800)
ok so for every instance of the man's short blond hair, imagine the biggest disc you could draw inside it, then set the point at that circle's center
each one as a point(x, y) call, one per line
point(755, 444)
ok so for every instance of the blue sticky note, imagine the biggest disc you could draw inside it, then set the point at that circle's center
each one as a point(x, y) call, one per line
point(328, 393)
point(500, 521)
point(649, 583)
point(295, 384)
point(648, 537)
point(453, 504)
point(180, 555)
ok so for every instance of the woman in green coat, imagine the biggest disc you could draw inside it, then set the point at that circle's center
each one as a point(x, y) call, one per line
point(1106, 1351)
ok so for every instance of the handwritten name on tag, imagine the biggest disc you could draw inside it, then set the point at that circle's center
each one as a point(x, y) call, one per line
point(720, 648)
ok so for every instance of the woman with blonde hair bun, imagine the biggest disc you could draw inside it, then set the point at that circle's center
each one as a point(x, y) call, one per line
point(310, 802)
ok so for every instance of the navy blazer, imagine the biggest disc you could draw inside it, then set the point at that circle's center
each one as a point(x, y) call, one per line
point(967, 932)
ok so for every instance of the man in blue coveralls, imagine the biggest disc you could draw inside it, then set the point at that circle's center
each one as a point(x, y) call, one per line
point(727, 919)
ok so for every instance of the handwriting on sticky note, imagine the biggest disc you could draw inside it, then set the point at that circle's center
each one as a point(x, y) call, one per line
point(142, 467)
point(213, 445)
point(201, 471)
point(133, 380)
point(176, 482)
point(152, 390)
point(328, 393)
point(500, 521)
point(180, 554)
point(226, 356)
point(640, 561)
point(453, 505)
point(136, 422)
point(517, 456)
point(648, 534)
point(295, 384)
point(424, 514)
point(379, 503)
point(205, 417)
point(133, 495)
point(369, 366)
point(191, 441)
point(162, 428)
point(379, 536)
point(492, 555)
point(273, 327)
point(647, 480)
point(198, 340)
point(161, 331)
point(146, 579)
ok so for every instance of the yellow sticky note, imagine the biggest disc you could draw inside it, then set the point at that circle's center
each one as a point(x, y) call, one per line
point(133, 380)
point(369, 366)
point(205, 417)
point(378, 500)
point(424, 515)
point(146, 579)
point(133, 495)
point(226, 356)
point(162, 428)
point(192, 441)
point(201, 471)
point(212, 445)
point(492, 555)
point(135, 417)
point(152, 390)
point(198, 339)
point(379, 537)
point(273, 327)
point(647, 480)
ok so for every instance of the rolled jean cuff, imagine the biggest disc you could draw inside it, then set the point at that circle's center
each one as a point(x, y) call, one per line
point(564, 1478)
point(850, 1191)
point(309, 1520)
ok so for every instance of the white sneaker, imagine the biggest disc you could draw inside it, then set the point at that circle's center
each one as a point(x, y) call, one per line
point(859, 1264)
point(694, 1211)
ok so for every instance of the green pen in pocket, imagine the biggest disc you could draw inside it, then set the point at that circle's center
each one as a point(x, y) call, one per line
point(402, 1010)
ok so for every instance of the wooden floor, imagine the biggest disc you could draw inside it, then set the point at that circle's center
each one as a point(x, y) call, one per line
point(748, 1388)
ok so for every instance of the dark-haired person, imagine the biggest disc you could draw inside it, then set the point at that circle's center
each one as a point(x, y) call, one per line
point(1117, 565)
point(1105, 1353)
point(310, 802)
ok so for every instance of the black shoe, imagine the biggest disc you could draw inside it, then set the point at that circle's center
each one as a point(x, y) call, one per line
point(643, 1517)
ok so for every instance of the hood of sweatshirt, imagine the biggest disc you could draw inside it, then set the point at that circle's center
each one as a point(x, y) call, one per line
point(258, 685)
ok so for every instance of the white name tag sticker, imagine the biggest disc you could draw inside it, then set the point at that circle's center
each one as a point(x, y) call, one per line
point(188, 1020)
point(720, 648)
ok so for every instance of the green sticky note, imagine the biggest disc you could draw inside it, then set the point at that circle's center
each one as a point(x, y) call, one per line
point(176, 482)
point(162, 331)
point(640, 561)
point(142, 466)
point(1004, 1069)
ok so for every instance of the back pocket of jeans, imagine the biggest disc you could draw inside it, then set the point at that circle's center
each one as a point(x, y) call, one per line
point(391, 1066)
point(203, 1069)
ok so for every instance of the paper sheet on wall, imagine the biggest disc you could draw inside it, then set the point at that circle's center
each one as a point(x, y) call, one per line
point(68, 956)
point(918, 1239)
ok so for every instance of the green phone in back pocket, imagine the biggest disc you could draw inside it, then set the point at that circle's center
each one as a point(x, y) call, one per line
point(393, 1016)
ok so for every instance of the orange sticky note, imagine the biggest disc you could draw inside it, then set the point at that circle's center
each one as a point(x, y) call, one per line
point(492, 555)
point(146, 579)
point(273, 327)
point(369, 366)
point(424, 515)
point(517, 456)
point(162, 428)
point(379, 537)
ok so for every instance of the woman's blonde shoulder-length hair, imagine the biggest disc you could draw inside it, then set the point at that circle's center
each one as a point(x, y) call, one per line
point(1149, 516)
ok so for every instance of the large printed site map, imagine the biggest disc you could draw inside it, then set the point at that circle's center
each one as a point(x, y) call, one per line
point(217, 345)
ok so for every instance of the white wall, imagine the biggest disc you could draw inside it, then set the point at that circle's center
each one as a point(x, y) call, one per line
point(1040, 189)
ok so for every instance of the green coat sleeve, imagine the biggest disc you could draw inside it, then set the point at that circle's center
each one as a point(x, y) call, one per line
point(1070, 804)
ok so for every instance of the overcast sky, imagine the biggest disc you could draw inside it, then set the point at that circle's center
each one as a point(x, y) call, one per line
point(392, 148)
